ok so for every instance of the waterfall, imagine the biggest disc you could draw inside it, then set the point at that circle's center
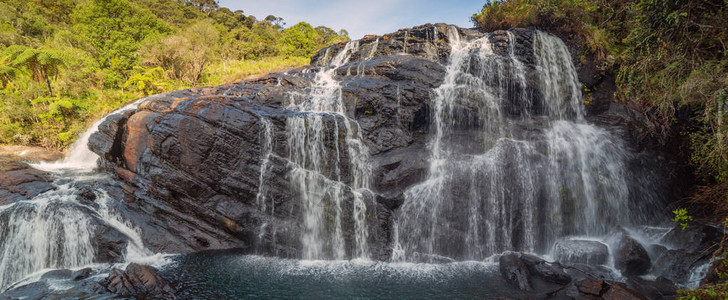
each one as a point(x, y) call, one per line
point(55, 229)
point(321, 180)
point(80, 157)
point(508, 172)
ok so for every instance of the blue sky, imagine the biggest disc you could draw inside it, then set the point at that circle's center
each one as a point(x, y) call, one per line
point(361, 17)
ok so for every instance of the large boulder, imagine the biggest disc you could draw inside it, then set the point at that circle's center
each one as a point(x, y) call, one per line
point(631, 258)
point(580, 251)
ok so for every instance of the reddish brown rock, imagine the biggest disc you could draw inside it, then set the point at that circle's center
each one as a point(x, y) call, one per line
point(591, 286)
point(618, 291)
point(140, 282)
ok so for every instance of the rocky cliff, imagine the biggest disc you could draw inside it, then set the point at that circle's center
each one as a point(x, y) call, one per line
point(190, 161)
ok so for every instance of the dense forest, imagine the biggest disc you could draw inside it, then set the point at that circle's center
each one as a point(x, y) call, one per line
point(65, 63)
point(669, 59)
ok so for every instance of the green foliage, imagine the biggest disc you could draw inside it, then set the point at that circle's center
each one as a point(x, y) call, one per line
point(114, 29)
point(43, 65)
point(682, 217)
point(146, 81)
point(299, 40)
point(64, 63)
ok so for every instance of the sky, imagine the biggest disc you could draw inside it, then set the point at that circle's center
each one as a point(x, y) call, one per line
point(362, 17)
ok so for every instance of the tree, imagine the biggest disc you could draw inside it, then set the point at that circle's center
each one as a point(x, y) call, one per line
point(277, 22)
point(145, 81)
point(114, 29)
point(298, 40)
point(205, 6)
point(7, 73)
point(186, 54)
point(41, 64)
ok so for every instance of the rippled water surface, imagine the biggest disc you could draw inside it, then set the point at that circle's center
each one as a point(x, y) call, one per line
point(230, 274)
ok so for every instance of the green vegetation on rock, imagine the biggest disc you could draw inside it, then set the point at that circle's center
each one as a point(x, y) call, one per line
point(65, 63)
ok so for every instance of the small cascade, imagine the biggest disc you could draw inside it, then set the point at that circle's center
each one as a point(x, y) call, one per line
point(266, 152)
point(495, 158)
point(324, 183)
point(80, 157)
point(55, 229)
point(49, 232)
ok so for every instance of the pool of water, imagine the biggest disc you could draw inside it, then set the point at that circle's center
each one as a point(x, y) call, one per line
point(231, 274)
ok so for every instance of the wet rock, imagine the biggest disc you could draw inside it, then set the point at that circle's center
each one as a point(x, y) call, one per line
point(581, 251)
point(22, 182)
point(87, 194)
point(32, 291)
point(19, 181)
point(57, 274)
point(552, 272)
point(591, 286)
point(583, 271)
point(515, 271)
point(81, 274)
point(631, 258)
point(695, 238)
point(139, 281)
point(109, 244)
point(676, 265)
point(618, 291)
point(660, 288)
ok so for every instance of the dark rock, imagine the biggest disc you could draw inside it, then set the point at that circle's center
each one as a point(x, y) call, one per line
point(109, 244)
point(676, 265)
point(139, 281)
point(660, 288)
point(552, 272)
point(618, 291)
point(87, 194)
point(591, 286)
point(695, 238)
point(583, 271)
point(81, 274)
point(631, 258)
point(22, 182)
point(515, 271)
point(581, 251)
point(57, 274)
point(32, 291)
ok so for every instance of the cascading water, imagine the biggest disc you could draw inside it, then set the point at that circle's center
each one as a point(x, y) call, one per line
point(56, 230)
point(497, 156)
point(322, 181)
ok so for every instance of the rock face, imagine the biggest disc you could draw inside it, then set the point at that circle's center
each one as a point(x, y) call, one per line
point(192, 161)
